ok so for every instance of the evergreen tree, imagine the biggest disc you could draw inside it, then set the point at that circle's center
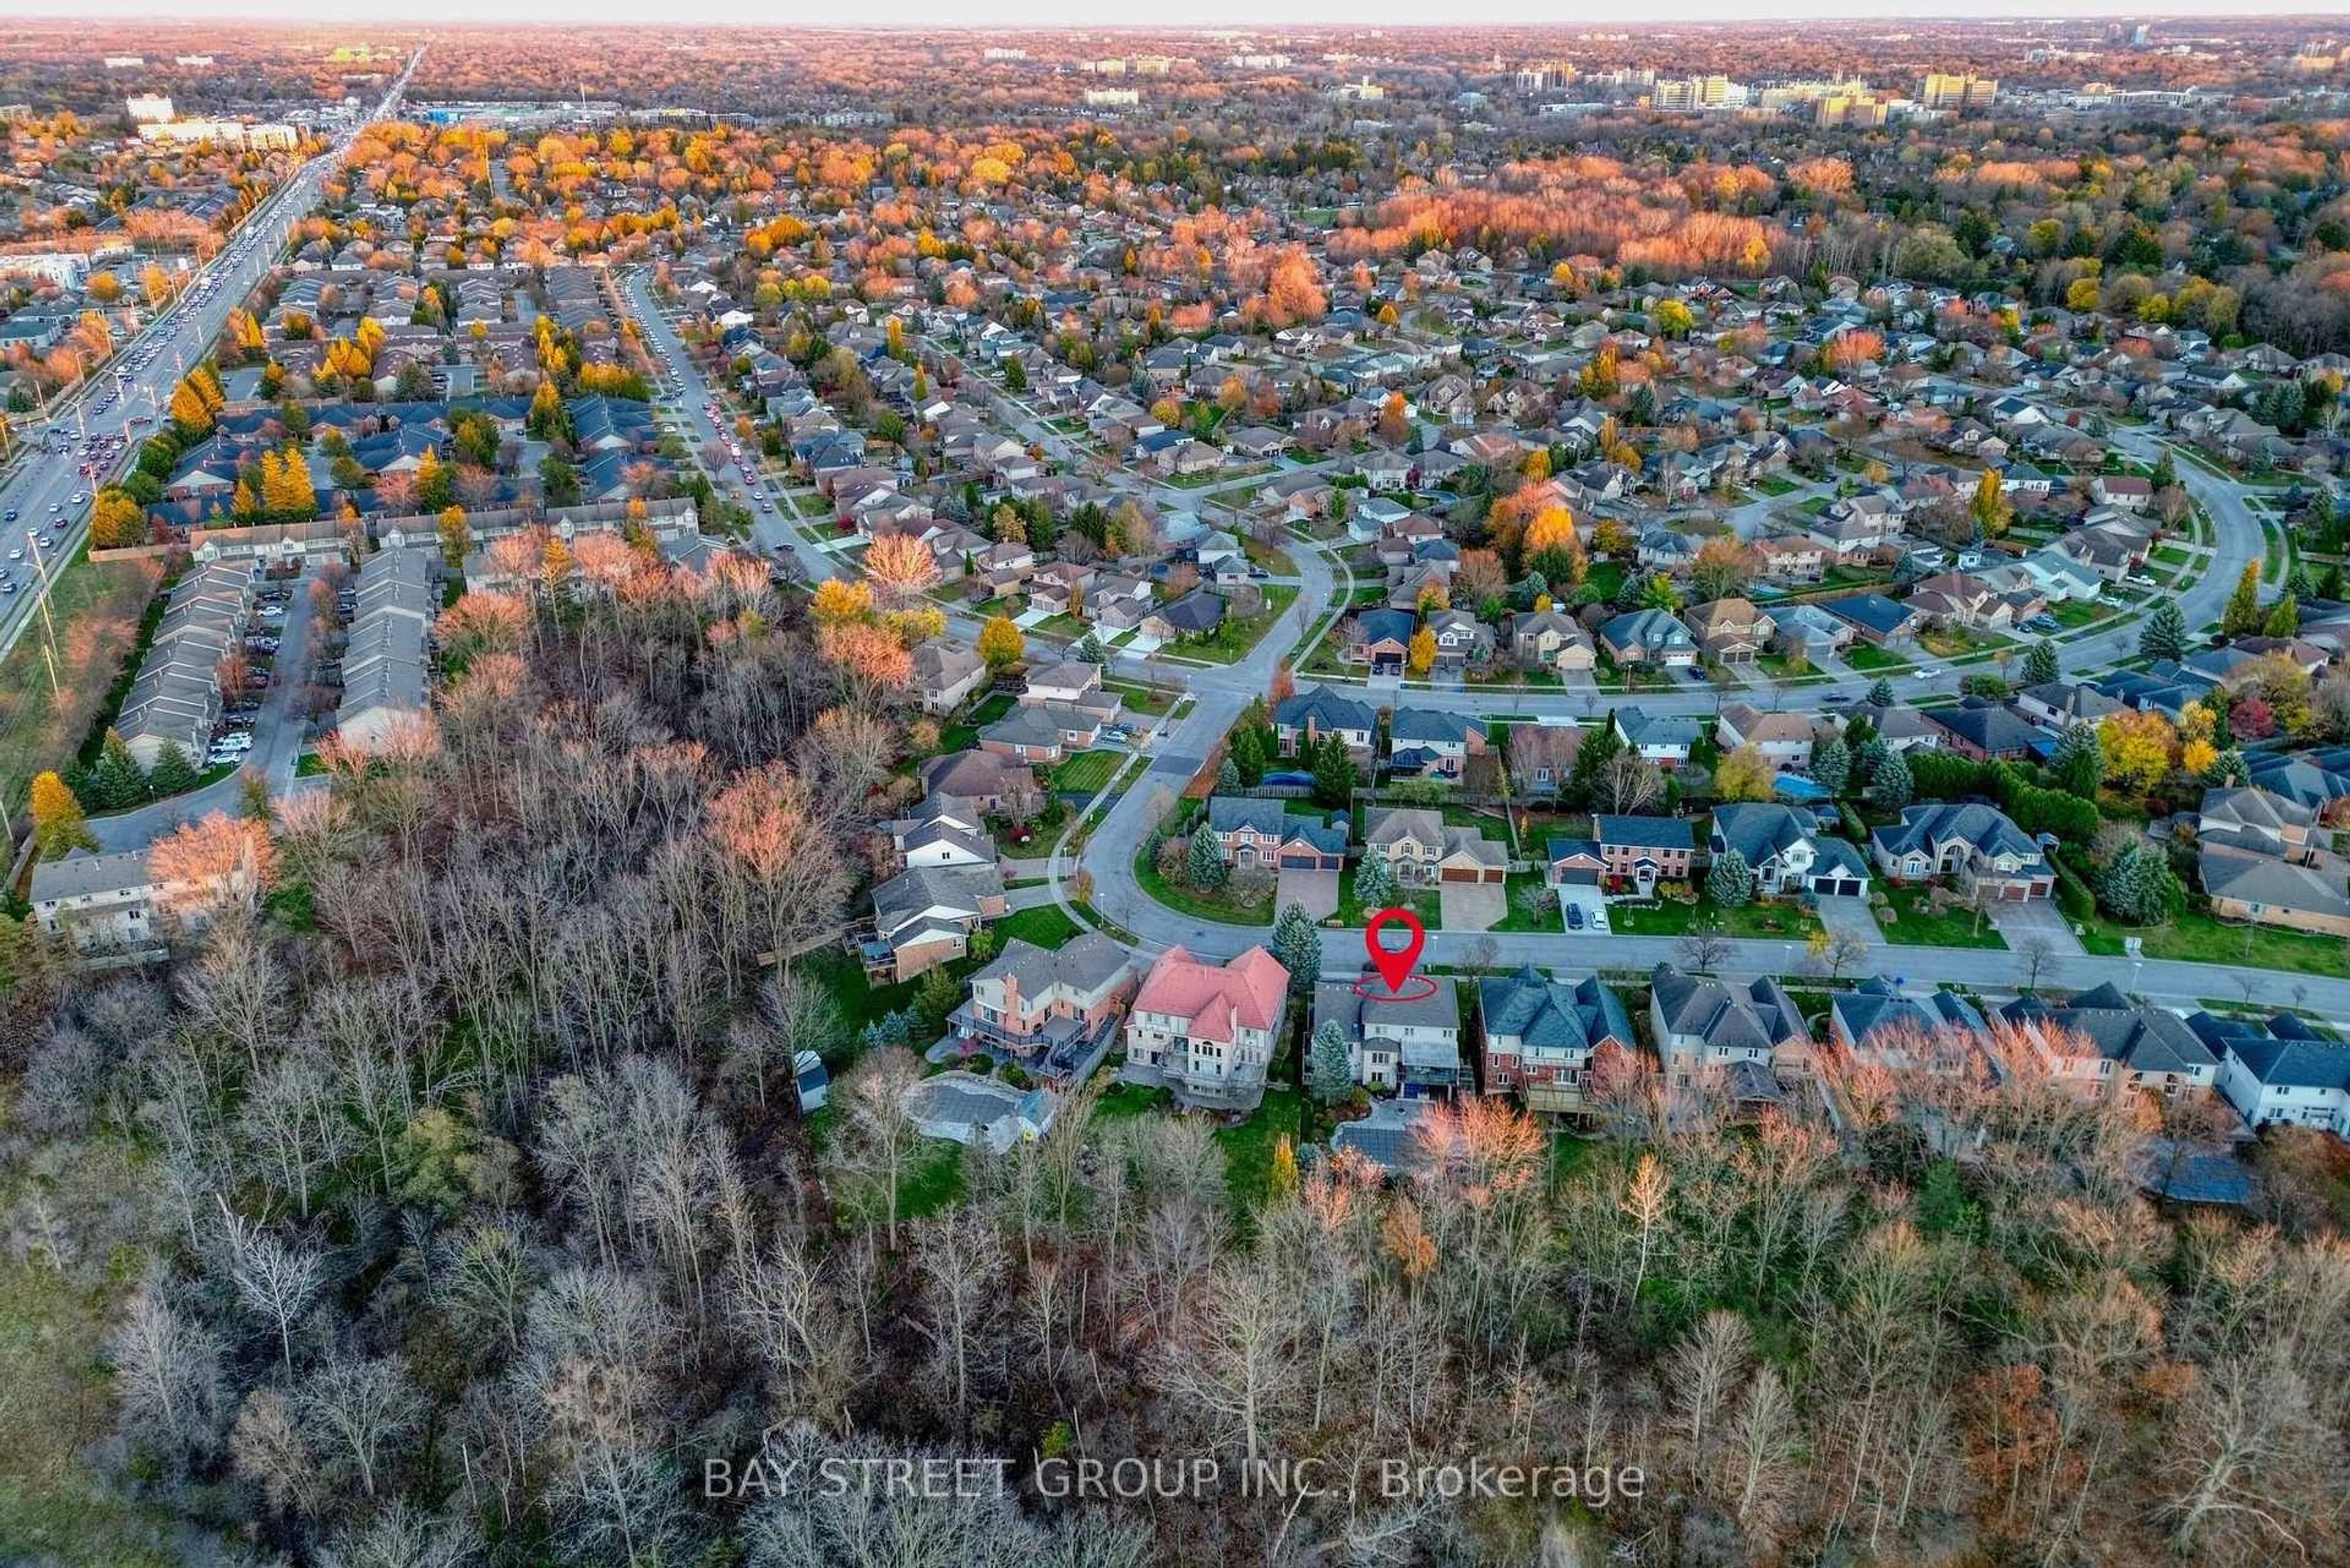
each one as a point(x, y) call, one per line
point(1091, 651)
point(1328, 1076)
point(2166, 471)
point(1248, 754)
point(1205, 868)
point(1298, 946)
point(1891, 787)
point(1880, 692)
point(1598, 747)
point(2163, 636)
point(1375, 886)
point(1832, 765)
point(173, 771)
point(1333, 773)
point(2138, 887)
point(2078, 764)
point(2243, 616)
point(1228, 777)
point(2041, 665)
point(117, 781)
point(2284, 618)
point(1731, 881)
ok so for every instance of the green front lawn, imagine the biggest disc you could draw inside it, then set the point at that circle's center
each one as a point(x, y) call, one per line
point(1526, 889)
point(1272, 557)
point(1914, 923)
point(1086, 772)
point(2074, 614)
point(1221, 906)
point(1426, 904)
point(1671, 918)
point(1232, 640)
point(1871, 660)
point(2199, 938)
point(1140, 698)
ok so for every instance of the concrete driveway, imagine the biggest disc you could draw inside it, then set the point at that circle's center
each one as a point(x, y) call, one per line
point(2036, 918)
point(1317, 891)
point(1591, 902)
point(1473, 906)
point(1852, 917)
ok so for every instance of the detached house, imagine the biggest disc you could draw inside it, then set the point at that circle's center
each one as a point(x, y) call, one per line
point(1736, 1042)
point(2102, 1041)
point(924, 916)
point(1263, 833)
point(1431, 742)
point(1207, 1031)
point(1420, 849)
point(1550, 639)
point(1540, 1035)
point(1976, 841)
point(1783, 738)
point(1787, 853)
point(1397, 1042)
point(2282, 1072)
point(1648, 637)
point(1641, 851)
point(1731, 630)
point(1058, 1006)
point(1311, 712)
point(946, 671)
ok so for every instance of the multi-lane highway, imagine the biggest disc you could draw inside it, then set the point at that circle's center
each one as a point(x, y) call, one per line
point(86, 440)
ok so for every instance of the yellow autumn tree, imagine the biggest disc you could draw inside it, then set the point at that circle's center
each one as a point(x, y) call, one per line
point(1000, 642)
point(838, 602)
point(189, 410)
point(1552, 529)
point(59, 824)
point(555, 570)
point(456, 536)
point(1423, 651)
point(2139, 747)
point(286, 488)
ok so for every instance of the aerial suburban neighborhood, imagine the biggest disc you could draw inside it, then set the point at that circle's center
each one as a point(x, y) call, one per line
point(716, 742)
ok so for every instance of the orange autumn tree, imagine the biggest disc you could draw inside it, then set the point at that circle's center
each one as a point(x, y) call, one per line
point(217, 864)
point(901, 568)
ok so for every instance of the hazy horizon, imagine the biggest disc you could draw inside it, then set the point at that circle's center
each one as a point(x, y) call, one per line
point(1065, 15)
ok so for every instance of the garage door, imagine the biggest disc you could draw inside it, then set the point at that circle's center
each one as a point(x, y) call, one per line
point(1460, 874)
point(1841, 887)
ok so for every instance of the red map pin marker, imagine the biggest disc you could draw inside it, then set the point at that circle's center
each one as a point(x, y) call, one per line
point(1395, 965)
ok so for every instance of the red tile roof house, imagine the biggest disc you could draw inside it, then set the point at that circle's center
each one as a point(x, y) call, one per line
point(1208, 1033)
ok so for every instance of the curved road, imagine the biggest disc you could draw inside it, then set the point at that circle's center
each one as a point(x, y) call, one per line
point(1220, 693)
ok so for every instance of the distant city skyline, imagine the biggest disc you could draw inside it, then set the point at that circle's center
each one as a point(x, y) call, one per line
point(1078, 14)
